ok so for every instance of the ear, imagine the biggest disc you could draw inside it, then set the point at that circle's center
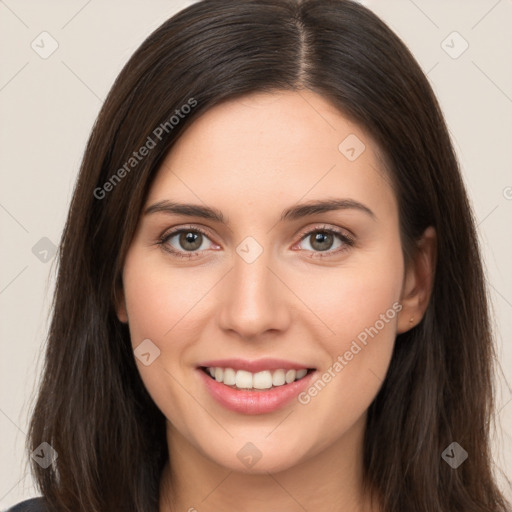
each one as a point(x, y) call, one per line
point(120, 303)
point(418, 281)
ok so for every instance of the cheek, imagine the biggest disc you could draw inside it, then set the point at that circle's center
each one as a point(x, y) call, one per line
point(165, 304)
point(365, 303)
point(157, 303)
point(354, 296)
point(361, 306)
point(158, 300)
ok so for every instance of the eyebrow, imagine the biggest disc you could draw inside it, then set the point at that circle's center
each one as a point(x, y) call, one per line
point(293, 213)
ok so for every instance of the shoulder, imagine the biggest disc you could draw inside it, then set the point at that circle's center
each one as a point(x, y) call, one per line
point(32, 505)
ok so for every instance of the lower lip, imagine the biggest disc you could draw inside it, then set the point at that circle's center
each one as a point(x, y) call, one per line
point(254, 402)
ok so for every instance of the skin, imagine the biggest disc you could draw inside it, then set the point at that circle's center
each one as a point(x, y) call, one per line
point(251, 158)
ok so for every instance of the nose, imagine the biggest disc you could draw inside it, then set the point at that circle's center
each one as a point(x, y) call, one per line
point(254, 298)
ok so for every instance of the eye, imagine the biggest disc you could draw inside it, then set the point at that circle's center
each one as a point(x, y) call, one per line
point(185, 242)
point(322, 239)
point(189, 242)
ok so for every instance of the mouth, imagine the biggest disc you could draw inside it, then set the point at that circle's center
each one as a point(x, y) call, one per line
point(255, 381)
point(254, 387)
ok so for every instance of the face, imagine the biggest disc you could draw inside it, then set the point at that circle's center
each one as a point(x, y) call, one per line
point(267, 286)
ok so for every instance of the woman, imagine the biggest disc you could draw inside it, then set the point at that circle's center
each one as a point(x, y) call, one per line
point(270, 294)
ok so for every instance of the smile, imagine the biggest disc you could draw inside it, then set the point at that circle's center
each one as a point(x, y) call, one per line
point(242, 379)
point(254, 387)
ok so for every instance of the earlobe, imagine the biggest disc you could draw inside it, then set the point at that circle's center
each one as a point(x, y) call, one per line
point(122, 314)
point(120, 304)
point(418, 282)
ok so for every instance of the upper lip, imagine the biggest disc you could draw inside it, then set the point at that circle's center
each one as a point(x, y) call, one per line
point(258, 365)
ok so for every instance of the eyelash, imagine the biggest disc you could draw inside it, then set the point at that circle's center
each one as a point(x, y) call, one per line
point(347, 240)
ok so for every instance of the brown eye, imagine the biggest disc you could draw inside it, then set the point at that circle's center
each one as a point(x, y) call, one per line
point(190, 240)
point(321, 241)
point(326, 240)
point(185, 243)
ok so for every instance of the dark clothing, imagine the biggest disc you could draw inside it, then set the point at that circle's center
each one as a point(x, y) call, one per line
point(32, 505)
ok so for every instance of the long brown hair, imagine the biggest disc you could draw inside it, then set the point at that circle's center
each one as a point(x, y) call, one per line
point(92, 406)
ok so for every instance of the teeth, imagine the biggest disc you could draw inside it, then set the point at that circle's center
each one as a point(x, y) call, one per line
point(301, 373)
point(243, 379)
point(261, 380)
point(290, 376)
point(229, 377)
point(278, 378)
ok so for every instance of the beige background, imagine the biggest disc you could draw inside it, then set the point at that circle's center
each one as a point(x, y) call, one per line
point(47, 108)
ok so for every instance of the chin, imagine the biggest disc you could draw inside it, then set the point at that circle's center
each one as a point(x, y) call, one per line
point(257, 458)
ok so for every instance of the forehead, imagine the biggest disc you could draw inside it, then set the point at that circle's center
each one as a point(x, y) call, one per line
point(269, 148)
